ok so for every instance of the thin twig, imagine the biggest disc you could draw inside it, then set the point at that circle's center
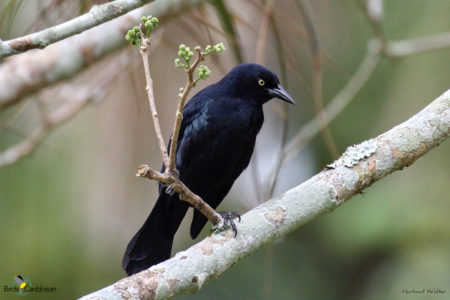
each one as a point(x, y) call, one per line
point(171, 168)
point(38, 135)
point(227, 19)
point(403, 48)
point(283, 70)
point(339, 102)
point(269, 252)
point(256, 180)
point(15, 111)
point(183, 191)
point(170, 176)
point(79, 97)
point(377, 46)
point(260, 58)
point(373, 10)
point(317, 77)
point(262, 36)
point(151, 99)
point(279, 162)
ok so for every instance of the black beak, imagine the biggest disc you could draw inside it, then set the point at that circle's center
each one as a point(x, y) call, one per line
point(280, 93)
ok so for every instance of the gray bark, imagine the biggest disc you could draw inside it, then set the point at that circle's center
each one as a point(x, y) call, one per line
point(359, 167)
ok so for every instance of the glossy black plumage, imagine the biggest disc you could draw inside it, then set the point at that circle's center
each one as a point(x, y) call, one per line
point(216, 141)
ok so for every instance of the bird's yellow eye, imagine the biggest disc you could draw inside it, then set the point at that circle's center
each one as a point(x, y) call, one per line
point(261, 82)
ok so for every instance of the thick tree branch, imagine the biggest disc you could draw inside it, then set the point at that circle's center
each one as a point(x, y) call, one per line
point(97, 15)
point(357, 169)
point(26, 74)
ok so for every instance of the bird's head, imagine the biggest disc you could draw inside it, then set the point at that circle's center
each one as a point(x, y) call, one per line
point(256, 82)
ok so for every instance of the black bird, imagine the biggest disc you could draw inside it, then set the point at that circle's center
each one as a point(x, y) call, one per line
point(216, 141)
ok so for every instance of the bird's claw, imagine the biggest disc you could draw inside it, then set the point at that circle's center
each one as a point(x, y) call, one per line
point(169, 189)
point(228, 221)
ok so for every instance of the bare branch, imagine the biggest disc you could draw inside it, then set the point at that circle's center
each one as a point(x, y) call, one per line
point(400, 48)
point(78, 98)
point(261, 45)
point(262, 35)
point(170, 176)
point(418, 45)
point(375, 10)
point(179, 115)
point(279, 161)
point(13, 114)
point(96, 16)
point(317, 77)
point(370, 161)
point(338, 103)
point(183, 191)
point(29, 144)
point(374, 14)
point(376, 46)
point(151, 98)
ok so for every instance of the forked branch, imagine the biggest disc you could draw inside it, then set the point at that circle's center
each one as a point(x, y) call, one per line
point(140, 35)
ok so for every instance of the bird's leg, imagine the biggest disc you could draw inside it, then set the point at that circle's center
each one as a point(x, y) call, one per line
point(228, 221)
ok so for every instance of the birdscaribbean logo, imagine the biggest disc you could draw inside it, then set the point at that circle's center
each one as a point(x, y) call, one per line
point(22, 283)
point(22, 286)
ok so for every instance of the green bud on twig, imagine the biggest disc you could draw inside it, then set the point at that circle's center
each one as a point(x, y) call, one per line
point(219, 47)
point(216, 48)
point(185, 53)
point(148, 24)
point(203, 72)
point(179, 64)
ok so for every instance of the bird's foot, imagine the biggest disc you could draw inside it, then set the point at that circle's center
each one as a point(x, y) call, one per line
point(228, 221)
point(169, 189)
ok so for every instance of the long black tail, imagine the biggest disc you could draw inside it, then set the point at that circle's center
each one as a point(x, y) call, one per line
point(153, 242)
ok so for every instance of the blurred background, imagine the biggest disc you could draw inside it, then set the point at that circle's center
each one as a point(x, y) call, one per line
point(71, 204)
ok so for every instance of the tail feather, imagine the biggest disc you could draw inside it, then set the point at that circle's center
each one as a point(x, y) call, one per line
point(152, 244)
point(213, 199)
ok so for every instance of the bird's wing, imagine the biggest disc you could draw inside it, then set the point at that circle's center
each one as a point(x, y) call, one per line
point(195, 136)
point(191, 114)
